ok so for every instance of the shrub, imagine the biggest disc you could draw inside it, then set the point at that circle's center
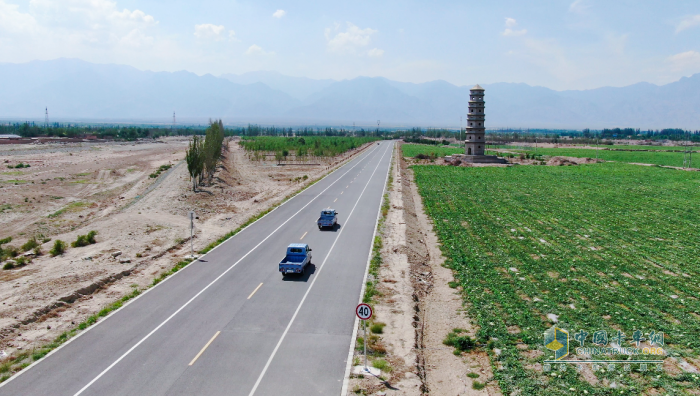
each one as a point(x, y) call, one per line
point(453, 284)
point(30, 244)
point(377, 328)
point(59, 247)
point(6, 240)
point(91, 236)
point(10, 251)
point(22, 261)
point(8, 266)
point(478, 385)
point(461, 343)
point(37, 251)
point(84, 240)
point(473, 375)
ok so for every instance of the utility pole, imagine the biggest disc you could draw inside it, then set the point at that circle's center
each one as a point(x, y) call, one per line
point(378, 121)
point(46, 117)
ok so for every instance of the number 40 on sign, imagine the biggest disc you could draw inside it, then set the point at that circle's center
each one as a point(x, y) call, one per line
point(363, 311)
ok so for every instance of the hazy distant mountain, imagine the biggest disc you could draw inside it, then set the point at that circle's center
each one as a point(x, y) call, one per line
point(296, 87)
point(73, 88)
point(77, 89)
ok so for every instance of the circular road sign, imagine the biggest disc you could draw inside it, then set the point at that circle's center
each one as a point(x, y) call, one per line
point(363, 311)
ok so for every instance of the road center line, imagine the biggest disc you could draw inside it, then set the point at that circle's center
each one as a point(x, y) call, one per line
point(335, 199)
point(256, 289)
point(291, 321)
point(302, 237)
point(205, 347)
point(147, 336)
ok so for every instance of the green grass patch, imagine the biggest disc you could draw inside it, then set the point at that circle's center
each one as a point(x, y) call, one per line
point(382, 365)
point(604, 246)
point(459, 341)
point(71, 207)
point(666, 158)
point(412, 150)
point(377, 328)
point(160, 170)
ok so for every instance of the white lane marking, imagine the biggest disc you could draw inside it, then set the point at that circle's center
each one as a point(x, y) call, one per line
point(302, 237)
point(205, 288)
point(256, 289)
point(351, 352)
point(341, 193)
point(289, 325)
point(335, 199)
point(205, 347)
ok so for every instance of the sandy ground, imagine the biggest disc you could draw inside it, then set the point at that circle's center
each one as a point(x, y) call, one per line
point(72, 189)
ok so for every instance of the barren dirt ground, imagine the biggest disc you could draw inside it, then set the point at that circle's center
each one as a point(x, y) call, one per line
point(71, 189)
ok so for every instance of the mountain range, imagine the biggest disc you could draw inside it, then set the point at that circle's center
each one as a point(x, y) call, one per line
point(73, 89)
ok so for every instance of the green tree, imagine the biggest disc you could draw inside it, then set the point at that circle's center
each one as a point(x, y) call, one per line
point(195, 160)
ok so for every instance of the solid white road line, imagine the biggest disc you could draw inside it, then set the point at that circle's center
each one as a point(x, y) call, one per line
point(348, 360)
point(207, 286)
point(291, 321)
point(205, 347)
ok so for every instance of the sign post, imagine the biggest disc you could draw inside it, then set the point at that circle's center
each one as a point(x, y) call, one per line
point(364, 312)
point(191, 234)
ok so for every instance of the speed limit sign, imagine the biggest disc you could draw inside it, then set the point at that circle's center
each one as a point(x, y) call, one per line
point(363, 311)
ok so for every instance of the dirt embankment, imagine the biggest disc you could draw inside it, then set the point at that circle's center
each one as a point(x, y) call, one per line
point(141, 223)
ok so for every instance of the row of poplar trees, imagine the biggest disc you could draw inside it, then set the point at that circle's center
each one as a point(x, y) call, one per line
point(204, 154)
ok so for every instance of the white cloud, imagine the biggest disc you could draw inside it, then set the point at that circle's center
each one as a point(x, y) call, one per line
point(209, 31)
point(511, 23)
point(14, 21)
point(685, 61)
point(578, 6)
point(279, 14)
point(256, 50)
point(349, 41)
point(687, 23)
point(375, 53)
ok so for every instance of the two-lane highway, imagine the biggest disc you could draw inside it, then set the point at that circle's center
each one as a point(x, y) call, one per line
point(230, 323)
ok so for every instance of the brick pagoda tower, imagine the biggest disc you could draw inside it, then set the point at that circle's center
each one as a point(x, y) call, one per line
point(475, 139)
point(476, 130)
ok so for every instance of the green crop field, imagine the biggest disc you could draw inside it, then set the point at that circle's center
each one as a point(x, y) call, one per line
point(307, 146)
point(668, 158)
point(602, 247)
point(411, 150)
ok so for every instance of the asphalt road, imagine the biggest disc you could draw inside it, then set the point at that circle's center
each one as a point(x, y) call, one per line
point(230, 324)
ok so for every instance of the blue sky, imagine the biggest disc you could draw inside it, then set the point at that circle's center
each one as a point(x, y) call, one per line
point(569, 44)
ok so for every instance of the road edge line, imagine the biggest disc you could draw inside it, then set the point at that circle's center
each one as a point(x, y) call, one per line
point(348, 365)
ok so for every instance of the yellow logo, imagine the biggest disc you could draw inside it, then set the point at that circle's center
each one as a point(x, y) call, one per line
point(557, 340)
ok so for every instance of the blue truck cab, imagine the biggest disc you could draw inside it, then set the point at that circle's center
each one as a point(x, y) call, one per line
point(297, 258)
point(328, 218)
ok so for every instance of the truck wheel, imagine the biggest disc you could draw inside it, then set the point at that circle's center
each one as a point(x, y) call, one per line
point(319, 227)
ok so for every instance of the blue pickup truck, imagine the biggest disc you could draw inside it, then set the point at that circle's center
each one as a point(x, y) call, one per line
point(296, 260)
point(328, 218)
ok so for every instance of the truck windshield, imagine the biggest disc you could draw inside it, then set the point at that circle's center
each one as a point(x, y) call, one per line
point(327, 213)
point(295, 250)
